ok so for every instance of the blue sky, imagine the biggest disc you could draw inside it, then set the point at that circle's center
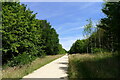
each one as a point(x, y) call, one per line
point(68, 18)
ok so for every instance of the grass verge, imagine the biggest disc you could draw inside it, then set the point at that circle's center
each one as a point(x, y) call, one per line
point(20, 71)
point(105, 65)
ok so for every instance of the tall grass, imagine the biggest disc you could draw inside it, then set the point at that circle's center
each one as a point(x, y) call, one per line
point(20, 71)
point(105, 65)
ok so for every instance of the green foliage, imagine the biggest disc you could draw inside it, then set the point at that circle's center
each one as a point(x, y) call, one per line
point(20, 32)
point(111, 26)
point(96, 50)
point(61, 50)
point(78, 47)
point(105, 36)
point(88, 28)
point(24, 37)
point(50, 37)
point(21, 59)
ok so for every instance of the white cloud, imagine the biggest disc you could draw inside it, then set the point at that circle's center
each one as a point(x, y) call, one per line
point(78, 22)
point(60, 27)
point(86, 6)
point(52, 15)
point(72, 29)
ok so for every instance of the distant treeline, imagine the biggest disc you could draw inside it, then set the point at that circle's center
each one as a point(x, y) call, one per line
point(105, 36)
point(24, 38)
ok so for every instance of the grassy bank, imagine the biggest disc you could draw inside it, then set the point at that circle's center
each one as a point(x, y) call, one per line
point(20, 71)
point(99, 65)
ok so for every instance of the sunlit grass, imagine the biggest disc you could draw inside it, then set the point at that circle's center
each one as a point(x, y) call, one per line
point(99, 65)
point(20, 71)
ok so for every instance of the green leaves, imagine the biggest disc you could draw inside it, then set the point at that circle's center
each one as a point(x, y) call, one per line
point(78, 47)
point(88, 28)
point(24, 37)
point(107, 34)
point(21, 32)
point(50, 37)
point(110, 25)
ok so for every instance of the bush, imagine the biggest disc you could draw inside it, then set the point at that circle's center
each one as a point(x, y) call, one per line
point(21, 59)
point(96, 50)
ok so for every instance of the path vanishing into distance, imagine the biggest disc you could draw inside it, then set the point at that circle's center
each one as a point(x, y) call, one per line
point(56, 69)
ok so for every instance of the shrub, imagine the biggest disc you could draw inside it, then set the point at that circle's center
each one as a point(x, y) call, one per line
point(21, 59)
point(96, 50)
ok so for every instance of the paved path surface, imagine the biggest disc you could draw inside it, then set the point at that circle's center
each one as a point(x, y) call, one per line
point(56, 69)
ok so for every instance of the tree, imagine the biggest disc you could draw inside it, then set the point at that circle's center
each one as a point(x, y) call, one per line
point(61, 50)
point(21, 35)
point(78, 47)
point(50, 37)
point(24, 37)
point(88, 31)
point(110, 24)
